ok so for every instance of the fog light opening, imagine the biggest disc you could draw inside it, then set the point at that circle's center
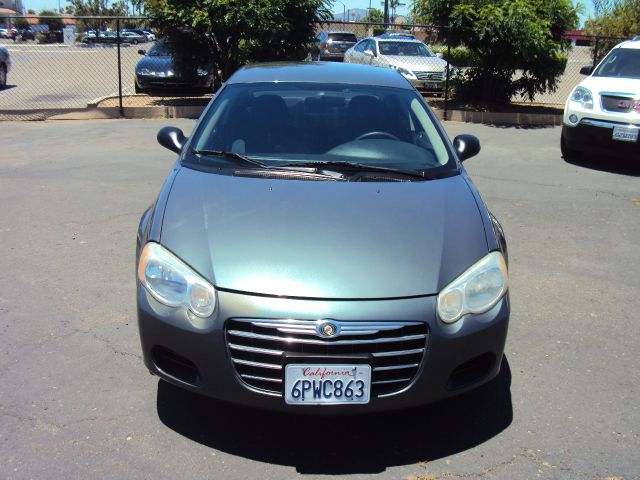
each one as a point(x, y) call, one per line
point(176, 366)
point(573, 118)
point(472, 371)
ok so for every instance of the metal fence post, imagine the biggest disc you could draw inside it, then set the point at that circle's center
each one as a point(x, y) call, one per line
point(119, 66)
point(595, 52)
point(446, 80)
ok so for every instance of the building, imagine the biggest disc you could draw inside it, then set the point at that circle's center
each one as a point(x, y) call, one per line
point(8, 9)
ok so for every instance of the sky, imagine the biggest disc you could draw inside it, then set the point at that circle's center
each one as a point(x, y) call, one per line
point(38, 5)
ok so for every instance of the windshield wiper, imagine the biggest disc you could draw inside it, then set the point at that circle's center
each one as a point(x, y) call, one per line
point(361, 167)
point(231, 156)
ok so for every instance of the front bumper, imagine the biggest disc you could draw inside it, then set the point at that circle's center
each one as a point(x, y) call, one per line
point(427, 85)
point(151, 82)
point(451, 349)
point(596, 136)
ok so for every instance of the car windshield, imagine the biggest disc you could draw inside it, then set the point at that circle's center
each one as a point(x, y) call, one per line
point(622, 63)
point(287, 123)
point(409, 49)
point(160, 49)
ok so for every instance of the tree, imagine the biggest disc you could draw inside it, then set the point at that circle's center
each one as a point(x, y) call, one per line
point(233, 32)
point(375, 15)
point(97, 8)
point(518, 42)
point(614, 18)
point(53, 23)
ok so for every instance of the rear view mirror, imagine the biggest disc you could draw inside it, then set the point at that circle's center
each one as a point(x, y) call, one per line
point(368, 53)
point(439, 55)
point(466, 146)
point(142, 52)
point(171, 138)
point(586, 70)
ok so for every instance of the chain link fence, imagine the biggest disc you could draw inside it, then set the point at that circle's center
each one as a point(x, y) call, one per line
point(116, 63)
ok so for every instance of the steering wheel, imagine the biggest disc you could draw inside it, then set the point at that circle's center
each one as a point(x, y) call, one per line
point(368, 135)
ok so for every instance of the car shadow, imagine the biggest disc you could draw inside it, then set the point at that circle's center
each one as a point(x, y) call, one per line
point(619, 166)
point(342, 444)
point(7, 87)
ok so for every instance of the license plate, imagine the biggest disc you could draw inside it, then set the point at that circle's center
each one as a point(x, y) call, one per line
point(625, 134)
point(431, 86)
point(327, 384)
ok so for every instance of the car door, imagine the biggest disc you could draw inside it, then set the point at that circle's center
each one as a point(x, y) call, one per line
point(353, 55)
point(369, 46)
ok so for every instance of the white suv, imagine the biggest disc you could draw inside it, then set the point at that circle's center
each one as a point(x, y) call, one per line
point(602, 114)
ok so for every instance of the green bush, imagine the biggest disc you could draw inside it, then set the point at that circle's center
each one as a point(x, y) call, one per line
point(460, 56)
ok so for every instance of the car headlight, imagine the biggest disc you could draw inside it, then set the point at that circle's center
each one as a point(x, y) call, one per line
point(583, 96)
point(477, 290)
point(202, 72)
point(173, 283)
point(144, 71)
point(403, 71)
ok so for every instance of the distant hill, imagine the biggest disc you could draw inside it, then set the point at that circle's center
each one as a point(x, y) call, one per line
point(353, 14)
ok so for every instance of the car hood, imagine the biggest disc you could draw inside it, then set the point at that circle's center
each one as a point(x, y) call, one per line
point(156, 63)
point(323, 239)
point(612, 84)
point(428, 64)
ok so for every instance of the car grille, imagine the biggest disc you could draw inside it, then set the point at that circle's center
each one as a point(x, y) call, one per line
point(258, 347)
point(435, 76)
point(616, 103)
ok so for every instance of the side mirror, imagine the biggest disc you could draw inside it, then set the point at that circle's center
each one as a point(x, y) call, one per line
point(440, 55)
point(171, 138)
point(466, 146)
point(586, 70)
point(368, 53)
point(142, 52)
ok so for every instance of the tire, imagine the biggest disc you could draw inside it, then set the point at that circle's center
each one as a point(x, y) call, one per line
point(3, 75)
point(135, 42)
point(136, 88)
point(568, 154)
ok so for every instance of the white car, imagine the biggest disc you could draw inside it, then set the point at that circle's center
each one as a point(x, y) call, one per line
point(602, 114)
point(412, 58)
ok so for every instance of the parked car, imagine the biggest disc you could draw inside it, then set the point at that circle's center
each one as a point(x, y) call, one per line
point(132, 37)
point(318, 246)
point(26, 34)
point(4, 33)
point(602, 113)
point(148, 36)
point(412, 58)
point(331, 45)
point(158, 70)
point(5, 66)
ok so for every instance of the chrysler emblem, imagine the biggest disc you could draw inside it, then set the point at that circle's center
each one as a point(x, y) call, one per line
point(327, 328)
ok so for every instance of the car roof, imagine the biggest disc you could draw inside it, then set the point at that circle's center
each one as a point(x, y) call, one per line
point(319, 72)
point(635, 44)
point(339, 31)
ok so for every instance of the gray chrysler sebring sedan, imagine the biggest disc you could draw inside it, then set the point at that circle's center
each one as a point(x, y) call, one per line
point(318, 247)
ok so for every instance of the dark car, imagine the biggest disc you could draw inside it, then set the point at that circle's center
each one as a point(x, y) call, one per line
point(159, 70)
point(318, 247)
point(331, 45)
point(26, 34)
point(5, 66)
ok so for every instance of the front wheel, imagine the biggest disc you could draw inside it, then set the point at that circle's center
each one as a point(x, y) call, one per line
point(3, 75)
point(137, 88)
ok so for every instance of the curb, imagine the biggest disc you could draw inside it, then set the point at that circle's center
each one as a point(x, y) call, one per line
point(193, 112)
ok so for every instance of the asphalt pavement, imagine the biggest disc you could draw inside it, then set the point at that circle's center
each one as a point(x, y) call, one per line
point(76, 401)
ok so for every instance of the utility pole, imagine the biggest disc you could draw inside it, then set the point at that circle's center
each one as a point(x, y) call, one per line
point(386, 13)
